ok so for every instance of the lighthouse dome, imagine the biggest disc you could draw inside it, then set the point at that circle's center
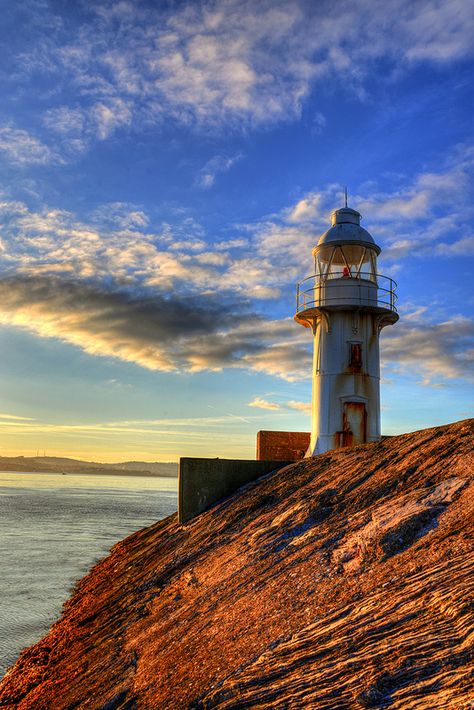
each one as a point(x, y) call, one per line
point(346, 229)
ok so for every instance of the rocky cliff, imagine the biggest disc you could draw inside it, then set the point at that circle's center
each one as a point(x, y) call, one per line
point(344, 581)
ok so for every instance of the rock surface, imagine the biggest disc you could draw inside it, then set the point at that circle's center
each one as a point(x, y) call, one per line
point(343, 581)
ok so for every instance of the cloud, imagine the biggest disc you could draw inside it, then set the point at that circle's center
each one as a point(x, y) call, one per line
point(145, 439)
point(260, 403)
point(425, 215)
point(169, 333)
point(15, 417)
point(433, 350)
point(65, 120)
point(217, 164)
point(436, 31)
point(422, 197)
point(124, 215)
point(212, 258)
point(159, 333)
point(299, 406)
point(119, 244)
point(112, 324)
point(232, 244)
point(318, 123)
point(119, 285)
point(114, 245)
point(290, 360)
point(229, 63)
point(77, 127)
point(21, 148)
point(110, 115)
point(307, 209)
point(195, 332)
point(428, 215)
point(461, 247)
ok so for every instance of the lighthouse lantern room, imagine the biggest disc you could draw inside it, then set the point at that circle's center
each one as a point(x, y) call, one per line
point(345, 303)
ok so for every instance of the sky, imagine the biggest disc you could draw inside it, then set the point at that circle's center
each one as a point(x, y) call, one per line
point(166, 169)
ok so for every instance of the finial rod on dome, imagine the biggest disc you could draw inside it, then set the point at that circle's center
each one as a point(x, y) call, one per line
point(345, 196)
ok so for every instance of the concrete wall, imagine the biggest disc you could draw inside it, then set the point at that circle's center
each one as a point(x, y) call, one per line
point(282, 445)
point(203, 482)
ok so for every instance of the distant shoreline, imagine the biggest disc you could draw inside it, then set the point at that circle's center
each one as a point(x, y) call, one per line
point(128, 474)
point(68, 466)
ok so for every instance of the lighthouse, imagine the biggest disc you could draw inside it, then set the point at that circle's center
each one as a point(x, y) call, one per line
point(345, 304)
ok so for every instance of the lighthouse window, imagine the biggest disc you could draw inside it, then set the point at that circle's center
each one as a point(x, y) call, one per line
point(356, 356)
point(373, 266)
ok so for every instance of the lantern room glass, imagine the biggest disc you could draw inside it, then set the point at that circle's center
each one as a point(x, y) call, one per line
point(346, 261)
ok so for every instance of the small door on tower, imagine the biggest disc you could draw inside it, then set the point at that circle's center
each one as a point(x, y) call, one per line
point(354, 423)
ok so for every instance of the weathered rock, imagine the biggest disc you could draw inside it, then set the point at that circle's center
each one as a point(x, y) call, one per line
point(345, 581)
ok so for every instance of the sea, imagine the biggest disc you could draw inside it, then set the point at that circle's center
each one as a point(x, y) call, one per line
point(53, 528)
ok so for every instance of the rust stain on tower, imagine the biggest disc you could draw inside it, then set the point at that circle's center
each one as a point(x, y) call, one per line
point(354, 423)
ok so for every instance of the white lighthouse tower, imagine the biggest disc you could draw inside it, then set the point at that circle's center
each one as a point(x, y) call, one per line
point(346, 303)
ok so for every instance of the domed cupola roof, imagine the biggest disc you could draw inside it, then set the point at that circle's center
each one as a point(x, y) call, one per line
point(346, 229)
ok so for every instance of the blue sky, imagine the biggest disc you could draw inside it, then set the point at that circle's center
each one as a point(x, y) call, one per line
point(166, 169)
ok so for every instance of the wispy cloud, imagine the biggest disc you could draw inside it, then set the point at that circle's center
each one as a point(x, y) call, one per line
point(299, 406)
point(74, 128)
point(227, 63)
point(428, 214)
point(15, 417)
point(65, 120)
point(120, 215)
point(22, 149)
point(261, 403)
point(318, 123)
point(116, 428)
point(217, 164)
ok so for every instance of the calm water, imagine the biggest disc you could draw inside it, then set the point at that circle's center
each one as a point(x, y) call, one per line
point(52, 529)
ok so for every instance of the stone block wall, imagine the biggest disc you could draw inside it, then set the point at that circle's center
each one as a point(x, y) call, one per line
point(282, 445)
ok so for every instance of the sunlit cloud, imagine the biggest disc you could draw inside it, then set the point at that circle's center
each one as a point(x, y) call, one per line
point(15, 417)
point(261, 403)
point(158, 333)
point(307, 209)
point(299, 406)
point(116, 428)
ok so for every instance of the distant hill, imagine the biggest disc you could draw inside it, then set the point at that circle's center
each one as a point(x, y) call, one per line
point(53, 464)
point(340, 582)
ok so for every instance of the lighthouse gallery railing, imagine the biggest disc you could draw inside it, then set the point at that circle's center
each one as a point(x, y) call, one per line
point(372, 290)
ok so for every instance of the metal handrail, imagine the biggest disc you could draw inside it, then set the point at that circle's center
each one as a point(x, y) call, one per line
point(310, 297)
